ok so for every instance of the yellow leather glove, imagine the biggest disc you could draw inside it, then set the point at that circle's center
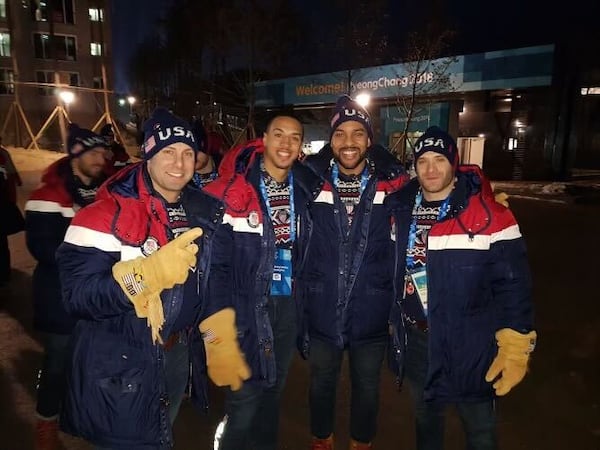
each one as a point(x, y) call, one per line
point(502, 198)
point(511, 361)
point(143, 279)
point(224, 359)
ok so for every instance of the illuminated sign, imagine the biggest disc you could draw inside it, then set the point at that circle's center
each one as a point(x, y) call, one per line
point(506, 69)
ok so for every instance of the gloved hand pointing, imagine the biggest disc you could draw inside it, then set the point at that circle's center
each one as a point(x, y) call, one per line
point(511, 361)
point(143, 279)
point(224, 359)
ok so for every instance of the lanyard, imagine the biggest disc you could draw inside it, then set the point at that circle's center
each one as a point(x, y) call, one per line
point(412, 233)
point(364, 178)
point(263, 191)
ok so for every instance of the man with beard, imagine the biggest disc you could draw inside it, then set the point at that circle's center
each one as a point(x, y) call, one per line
point(266, 192)
point(345, 286)
point(67, 185)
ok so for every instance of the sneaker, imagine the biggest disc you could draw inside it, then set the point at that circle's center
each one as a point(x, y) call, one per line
point(359, 445)
point(46, 435)
point(322, 444)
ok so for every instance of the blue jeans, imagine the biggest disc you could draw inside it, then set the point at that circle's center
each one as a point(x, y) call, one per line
point(253, 411)
point(177, 371)
point(365, 368)
point(478, 419)
point(52, 377)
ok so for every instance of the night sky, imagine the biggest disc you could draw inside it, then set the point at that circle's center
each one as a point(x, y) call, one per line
point(482, 26)
point(132, 21)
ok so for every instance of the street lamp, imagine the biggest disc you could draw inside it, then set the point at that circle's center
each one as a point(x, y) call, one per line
point(67, 97)
point(131, 100)
point(363, 99)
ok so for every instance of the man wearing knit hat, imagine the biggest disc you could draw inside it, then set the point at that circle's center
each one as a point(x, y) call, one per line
point(344, 288)
point(117, 155)
point(133, 266)
point(463, 298)
point(67, 185)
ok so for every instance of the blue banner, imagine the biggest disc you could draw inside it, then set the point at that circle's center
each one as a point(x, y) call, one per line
point(506, 69)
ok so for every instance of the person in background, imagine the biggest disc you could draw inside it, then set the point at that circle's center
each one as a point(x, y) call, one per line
point(117, 155)
point(267, 193)
point(215, 143)
point(345, 287)
point(205, 170)
point(68, 185)
point(134, 268)
point(462, 324)
point(12, 218)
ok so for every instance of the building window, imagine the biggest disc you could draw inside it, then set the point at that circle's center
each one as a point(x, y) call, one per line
point(59, 11)
point(4, 44)
point(2, 9)
point(98, 83)
point(96, 49)
point(96, 14)
point(7, 79)
point(41, 46)
point(45, 76)
point(73, 79)
point(64, 47)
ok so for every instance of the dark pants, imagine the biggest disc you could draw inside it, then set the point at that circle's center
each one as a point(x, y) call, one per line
point(365, 368)
point(177, 371)
point(52, 379)
point(479, 419)
point(253, 411)
point(4, 259)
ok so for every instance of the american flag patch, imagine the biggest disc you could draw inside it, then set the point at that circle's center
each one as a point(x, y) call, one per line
point(149, 144)
point(133, 284)
point(210, 337)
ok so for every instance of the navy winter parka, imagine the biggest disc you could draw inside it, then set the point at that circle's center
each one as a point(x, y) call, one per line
point(345, 286)
point(48, 213)
point(478, 281)
point(242, 273)
point(116, 388)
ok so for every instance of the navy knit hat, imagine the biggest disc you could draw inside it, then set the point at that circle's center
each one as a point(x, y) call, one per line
point(347, 109)
point(163, 129)
point(437, 140)
point(81, 140)
point(107, 130)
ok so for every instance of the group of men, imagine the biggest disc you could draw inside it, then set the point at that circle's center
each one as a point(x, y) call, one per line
point(158, 281)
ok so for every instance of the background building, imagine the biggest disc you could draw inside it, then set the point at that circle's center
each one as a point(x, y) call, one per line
point(516, 112)
point(55, 65)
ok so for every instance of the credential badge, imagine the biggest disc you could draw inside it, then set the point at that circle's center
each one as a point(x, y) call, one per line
point(253, 219)
point(150, 246)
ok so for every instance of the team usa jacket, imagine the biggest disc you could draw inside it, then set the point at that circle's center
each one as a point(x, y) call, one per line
point(48, 213)
point(241, 274)
point(117, 395)
point(478, 282)
point(344, 289)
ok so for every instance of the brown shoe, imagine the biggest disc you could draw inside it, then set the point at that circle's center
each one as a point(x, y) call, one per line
point(46, 435)
point(322, 444)
point(359, 445)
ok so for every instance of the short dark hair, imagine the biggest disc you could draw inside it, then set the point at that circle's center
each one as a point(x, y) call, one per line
point(284, 113)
